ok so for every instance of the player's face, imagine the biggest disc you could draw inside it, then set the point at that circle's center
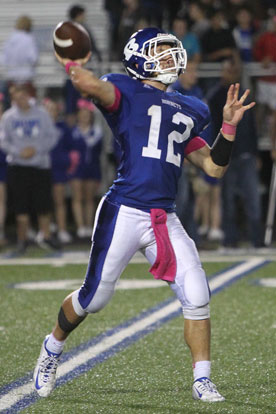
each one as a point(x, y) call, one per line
point(167, 60)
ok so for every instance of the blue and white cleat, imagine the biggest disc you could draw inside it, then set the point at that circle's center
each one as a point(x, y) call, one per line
point(45, 371)
point(205, 390)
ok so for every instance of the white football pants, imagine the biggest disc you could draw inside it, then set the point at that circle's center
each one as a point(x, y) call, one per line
point(119, 232)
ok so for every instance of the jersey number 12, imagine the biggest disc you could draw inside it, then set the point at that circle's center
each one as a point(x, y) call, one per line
point(152, 150)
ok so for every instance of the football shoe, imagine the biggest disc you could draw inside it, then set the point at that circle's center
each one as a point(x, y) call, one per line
point(45, 371)
point(205, 390)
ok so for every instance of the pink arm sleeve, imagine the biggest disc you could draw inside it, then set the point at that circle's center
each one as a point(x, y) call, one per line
point(116, 103)
point(195, 144)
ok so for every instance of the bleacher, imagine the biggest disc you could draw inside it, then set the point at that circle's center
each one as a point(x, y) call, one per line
point(45, 16)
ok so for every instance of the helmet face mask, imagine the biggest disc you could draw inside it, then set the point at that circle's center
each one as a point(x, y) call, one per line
point(144, 59)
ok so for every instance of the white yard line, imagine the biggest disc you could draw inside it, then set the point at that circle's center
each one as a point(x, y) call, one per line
point(226, 276)
point(82, 257)
point(16, 394)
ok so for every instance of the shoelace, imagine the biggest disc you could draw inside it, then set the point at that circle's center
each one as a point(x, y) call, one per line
point(206, 385)
point(48, 366)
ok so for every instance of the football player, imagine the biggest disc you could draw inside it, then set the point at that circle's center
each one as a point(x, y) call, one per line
point(156, 130)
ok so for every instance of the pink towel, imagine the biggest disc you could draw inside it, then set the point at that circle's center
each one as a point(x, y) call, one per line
point(165, 263)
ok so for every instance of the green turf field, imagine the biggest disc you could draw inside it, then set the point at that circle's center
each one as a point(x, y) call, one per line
point(153, 375)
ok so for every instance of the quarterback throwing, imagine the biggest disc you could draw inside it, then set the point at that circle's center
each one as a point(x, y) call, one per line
point(156, 130)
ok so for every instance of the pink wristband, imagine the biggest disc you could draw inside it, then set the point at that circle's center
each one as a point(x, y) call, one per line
point(228, 129)
point(69, 64)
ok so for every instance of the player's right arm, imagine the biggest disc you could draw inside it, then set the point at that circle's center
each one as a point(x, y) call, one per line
point(88, 84)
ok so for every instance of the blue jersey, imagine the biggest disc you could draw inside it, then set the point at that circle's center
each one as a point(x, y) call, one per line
point(89, 146)
point(60, 158)
point(3, 166)
point(153, 129)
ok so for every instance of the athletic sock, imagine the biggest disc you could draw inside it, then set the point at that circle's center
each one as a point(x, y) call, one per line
point(54, 346)
point(202, 369)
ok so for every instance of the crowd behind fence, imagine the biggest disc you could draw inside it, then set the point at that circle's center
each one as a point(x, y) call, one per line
point(50, 81)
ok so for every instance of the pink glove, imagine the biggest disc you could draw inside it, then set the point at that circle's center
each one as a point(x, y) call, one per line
point(74, 161)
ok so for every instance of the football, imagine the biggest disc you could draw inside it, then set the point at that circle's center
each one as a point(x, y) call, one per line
point(71, 40)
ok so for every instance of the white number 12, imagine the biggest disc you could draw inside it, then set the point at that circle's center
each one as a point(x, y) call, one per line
point(152, 149)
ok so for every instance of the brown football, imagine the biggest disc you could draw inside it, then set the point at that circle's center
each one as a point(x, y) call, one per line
point(71, 40)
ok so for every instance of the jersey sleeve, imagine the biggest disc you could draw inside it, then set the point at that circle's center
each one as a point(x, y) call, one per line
point(203, 117)
point(6, 140)
point(118, 118)
point(201, 129)
point(124, 88)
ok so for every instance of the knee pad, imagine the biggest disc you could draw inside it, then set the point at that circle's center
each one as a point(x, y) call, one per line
point(196, 287)
point(193, 292)
point(76, 304)
point(202, 312)
point(101, 298)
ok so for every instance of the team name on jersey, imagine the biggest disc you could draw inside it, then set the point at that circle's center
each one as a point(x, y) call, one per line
point(174, 104)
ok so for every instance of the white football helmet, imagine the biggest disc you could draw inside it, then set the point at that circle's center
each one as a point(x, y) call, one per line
point(142, 61)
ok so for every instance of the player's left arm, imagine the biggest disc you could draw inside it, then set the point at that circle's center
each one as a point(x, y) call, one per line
point(214, 161)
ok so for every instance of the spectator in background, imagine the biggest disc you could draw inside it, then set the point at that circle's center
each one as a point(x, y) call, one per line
point(208, 206)
point(232, 7)
point(27, 135)
point(131, 14)
point(153, 11)
point(85, 180)
point(141, 23)
point(218, 42)
point(186, 84)
point(208, 214)
point(114, 10)
point(188, 39)
point(212, 3)
point(3, 177)
point(64, 160)
point(265, 52)
point(244, 32)
point(241, 178)
point(198, 201)
point(171, 9)
point(19, 57)
point(77, 13)
point(203, 203)
point(200, 23)
point(267, 5)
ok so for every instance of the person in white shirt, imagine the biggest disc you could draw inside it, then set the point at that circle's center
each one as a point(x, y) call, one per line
point(20, 56)
point(27, 135)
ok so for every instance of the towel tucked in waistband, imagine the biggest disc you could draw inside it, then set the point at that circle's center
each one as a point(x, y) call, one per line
point(165, 263)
